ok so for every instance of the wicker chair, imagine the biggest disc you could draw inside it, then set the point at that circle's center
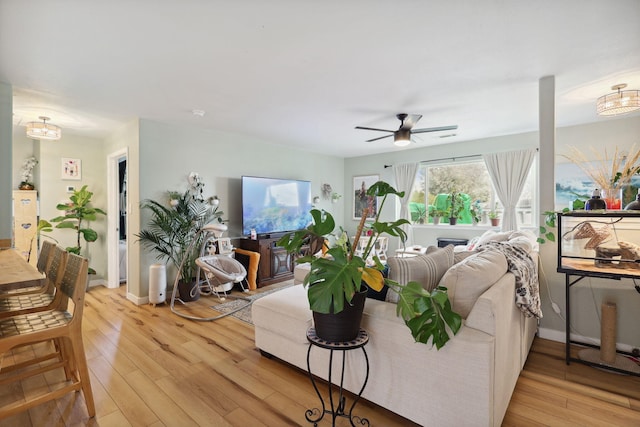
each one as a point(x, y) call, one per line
point(64, 327)
point(50, 298)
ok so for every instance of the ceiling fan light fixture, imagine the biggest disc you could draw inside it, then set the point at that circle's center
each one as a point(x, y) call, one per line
point(402, 137)
point(43, 130)
point(619, 102)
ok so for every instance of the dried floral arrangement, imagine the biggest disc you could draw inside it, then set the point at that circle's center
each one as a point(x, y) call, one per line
point(607, 172)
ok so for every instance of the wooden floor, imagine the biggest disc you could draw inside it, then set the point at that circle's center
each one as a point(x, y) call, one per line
point(150, 367)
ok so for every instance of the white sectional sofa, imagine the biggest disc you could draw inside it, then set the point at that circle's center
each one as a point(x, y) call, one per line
point(468, 382)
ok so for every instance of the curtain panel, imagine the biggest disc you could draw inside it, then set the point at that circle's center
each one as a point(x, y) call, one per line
point(405, 175)
point(509, 171)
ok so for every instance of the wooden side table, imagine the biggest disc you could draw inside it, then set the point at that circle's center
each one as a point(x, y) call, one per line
point(336, 409)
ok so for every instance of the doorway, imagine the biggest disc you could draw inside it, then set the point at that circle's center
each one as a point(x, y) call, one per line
point(118, 206)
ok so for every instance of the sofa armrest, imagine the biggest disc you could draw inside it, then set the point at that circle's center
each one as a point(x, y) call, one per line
point(495, 306)
point(496, 314)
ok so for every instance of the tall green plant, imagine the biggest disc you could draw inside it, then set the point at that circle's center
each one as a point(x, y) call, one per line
point(78, 212)
point(172, 229)
point(456, 204)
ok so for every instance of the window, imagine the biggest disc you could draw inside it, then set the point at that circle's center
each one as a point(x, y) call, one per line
point(430, 196)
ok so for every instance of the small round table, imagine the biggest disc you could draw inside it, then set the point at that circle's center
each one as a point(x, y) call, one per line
point(315, 415)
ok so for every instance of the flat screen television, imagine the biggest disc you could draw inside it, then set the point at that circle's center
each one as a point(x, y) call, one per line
point(272, 206)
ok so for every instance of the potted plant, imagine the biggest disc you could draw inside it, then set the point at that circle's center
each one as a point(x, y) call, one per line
point(476, 212)
point(420, 213)
point(436, 215)
point(337, 280)
point(26, 174)
point(494, 216)
point(456, 205)
point(77, 213)
point(171, 230)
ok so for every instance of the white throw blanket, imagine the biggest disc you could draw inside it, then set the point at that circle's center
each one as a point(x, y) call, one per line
point(523, 268)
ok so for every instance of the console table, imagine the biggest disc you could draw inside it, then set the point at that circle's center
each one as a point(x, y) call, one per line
point(577, 262)
point(275, 265)
point(337, 409)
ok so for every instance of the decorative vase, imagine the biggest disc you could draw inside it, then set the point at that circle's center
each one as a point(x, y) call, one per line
point(596, 202)
point(436, 220)
point(613, 198)
point(343, 326)
point(453, 220)
point(26, 186)
point(495, 222)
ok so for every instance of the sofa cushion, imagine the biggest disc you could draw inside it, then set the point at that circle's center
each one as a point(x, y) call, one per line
point(470, 278)
point(425, 269)
point(284, 312)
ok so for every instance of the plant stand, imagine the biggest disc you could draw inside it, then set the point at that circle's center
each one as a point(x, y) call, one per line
point(336, 409)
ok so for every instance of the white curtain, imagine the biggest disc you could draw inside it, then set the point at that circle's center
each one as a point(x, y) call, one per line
point(405, 175)
point(509, 173)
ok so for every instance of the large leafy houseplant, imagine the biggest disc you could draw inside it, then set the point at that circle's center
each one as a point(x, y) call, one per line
point(78, 212)
point(335, 278)
point(171, 230)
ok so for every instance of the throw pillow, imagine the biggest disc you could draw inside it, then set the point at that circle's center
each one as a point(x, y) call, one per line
point(470, 278)
point(462, 255)
point(425, 269)
point(457, 254)
point(382, 294)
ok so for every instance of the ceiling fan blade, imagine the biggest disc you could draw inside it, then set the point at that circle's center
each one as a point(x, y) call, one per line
point(435, 129)
point(410, 121)
point(379, 130)
point(375, 139)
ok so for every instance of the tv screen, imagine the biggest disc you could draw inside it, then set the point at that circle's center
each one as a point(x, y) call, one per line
point(272, 205)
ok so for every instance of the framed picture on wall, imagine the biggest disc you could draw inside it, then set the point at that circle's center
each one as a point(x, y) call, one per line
point(360, 199)
point(71, 169)
point(224, 245)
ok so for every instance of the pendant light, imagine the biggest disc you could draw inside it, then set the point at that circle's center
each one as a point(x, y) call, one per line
point(43, 130)
point(619, 102)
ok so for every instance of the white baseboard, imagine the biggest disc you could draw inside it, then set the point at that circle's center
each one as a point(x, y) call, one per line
point(559, 336)
point(137, 300)
point(97, 282)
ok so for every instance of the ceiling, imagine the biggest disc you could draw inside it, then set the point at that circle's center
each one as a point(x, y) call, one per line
point(304, 73)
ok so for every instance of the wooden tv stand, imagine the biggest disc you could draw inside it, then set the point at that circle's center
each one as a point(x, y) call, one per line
point(276, 264)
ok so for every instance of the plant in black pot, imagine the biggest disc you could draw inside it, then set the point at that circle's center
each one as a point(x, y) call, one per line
point(456, 205)
point(171, 229)
point(338, 281)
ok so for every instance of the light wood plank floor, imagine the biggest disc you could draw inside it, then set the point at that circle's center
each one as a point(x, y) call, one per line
point(150, 367)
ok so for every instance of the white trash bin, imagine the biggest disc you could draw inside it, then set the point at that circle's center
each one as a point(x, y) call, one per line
point(157, 284)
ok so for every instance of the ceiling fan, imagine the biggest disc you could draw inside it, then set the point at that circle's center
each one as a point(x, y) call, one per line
point(402, 136)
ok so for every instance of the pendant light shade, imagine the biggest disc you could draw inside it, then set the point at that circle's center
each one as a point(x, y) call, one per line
point(619, 102)
point(43, 130)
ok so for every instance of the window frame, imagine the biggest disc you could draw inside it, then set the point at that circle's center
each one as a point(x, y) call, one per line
point(532, 181)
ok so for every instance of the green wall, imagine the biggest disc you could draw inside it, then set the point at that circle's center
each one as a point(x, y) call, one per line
point(169, 153)
point(6, 123)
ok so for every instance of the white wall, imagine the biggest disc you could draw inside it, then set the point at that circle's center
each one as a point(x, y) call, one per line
point(52, 189)
point(127, 138)
point(374, 164)
point(169, 153)
point(586, 297)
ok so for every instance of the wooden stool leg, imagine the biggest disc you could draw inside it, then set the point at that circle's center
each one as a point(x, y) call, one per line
point(83, 371)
